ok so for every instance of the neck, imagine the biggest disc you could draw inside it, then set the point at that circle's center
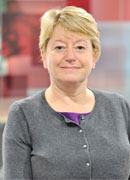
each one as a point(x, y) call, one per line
point(68, 92)
point(70, 98)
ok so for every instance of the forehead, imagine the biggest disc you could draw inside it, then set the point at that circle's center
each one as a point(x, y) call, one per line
point(60, 33)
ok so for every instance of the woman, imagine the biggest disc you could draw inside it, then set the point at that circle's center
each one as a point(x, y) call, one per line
point(68, 131)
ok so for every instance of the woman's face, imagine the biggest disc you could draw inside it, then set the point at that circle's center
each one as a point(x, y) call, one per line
point(69, 56)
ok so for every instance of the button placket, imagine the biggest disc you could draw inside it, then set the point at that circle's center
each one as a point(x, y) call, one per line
point(84, 145)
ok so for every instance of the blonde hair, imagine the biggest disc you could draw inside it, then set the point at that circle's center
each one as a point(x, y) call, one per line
point(71, 18)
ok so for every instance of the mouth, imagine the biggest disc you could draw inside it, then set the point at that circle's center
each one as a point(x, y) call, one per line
point(70, 67)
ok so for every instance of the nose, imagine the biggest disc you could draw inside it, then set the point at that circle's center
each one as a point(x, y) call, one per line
point(70, 54)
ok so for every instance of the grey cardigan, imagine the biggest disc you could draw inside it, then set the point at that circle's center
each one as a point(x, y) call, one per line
point(41, 144)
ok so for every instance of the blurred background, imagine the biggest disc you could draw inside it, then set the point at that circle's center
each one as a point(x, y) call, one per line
point(21, 72)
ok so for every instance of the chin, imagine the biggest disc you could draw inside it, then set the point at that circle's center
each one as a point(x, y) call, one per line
point(72, 81)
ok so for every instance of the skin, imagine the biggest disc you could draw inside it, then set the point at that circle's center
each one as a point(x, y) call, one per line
point(69, 59)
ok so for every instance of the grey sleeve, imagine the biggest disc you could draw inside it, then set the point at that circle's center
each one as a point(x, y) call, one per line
point(128, 109)
point(16, 146)
point(126, 113)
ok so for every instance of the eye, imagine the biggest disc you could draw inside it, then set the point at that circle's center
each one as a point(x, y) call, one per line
point(59, 47)
point(80, 47)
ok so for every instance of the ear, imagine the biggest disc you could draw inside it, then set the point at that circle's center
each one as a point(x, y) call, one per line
point(43, 58)
point(94, 60)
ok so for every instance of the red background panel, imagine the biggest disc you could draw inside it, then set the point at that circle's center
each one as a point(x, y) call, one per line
point(15, 86)
point(34, 7)
point(18, 65)
point(126, 10)
point(79, 3)
point(37, 77)
point(105, 10)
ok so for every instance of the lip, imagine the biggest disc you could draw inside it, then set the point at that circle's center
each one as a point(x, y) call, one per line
point(70, 67)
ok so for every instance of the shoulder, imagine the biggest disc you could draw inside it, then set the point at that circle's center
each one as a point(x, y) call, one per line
point(28, 105)
point(32, 101)
point(108, 95)
point(25, 111)
point(113, 106)
point(111, 99)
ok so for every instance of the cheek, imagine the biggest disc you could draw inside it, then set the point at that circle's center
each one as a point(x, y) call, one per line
point(50, 62)
point(87, 61)
point(90, 60)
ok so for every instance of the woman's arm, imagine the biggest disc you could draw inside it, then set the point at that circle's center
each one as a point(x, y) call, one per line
point(16, 146)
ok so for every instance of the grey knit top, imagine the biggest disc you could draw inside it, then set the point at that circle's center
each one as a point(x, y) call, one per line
point(41, 144)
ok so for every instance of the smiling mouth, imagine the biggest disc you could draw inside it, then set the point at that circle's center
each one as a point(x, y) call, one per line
point(70, 67)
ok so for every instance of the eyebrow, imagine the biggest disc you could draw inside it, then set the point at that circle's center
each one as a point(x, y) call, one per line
point(62, 41)
point(59, 41)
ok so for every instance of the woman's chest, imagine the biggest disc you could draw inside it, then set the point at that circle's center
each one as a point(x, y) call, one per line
point(94, 150)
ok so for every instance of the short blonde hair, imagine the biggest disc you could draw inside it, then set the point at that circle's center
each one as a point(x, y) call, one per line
point(71, 18)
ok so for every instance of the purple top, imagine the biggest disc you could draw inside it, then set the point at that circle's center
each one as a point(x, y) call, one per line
point(74, 116)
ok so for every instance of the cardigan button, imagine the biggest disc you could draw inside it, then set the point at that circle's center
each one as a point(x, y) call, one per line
point(80, 130)
point(84, 146)
point(81, 117)
point(88, 164)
